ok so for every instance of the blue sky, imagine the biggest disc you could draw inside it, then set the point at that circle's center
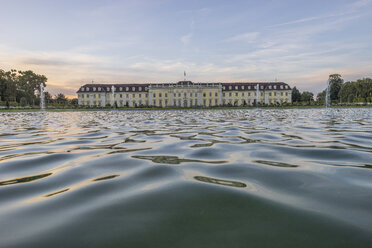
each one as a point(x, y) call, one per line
point(298, 42)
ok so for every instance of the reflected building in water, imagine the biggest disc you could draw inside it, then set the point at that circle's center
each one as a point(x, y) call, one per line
point(184, 94)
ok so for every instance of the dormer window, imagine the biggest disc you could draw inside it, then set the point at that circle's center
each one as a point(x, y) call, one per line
point(126, 88)
point(236, 87)
point(249, 87)
point(286, 86)
point(274, 87)
point(94, 88)
point(121, 88)
point(140, 88)
point(87, 88)
point(133, 88)
point(243, 87)
point(99, 88)
point(108, 88)
point(270, 87)
point(82, 88)
point(281, 86)
point(261, 87)
point(230, 87)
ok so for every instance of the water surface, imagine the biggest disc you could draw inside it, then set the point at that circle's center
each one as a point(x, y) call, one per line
point(192, 178)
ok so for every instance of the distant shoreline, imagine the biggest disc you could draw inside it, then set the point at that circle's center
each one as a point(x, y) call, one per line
point(184, 108)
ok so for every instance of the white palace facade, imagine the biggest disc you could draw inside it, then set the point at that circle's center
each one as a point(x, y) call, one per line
point(184, 94)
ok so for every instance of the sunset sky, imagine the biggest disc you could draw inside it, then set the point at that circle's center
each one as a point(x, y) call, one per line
point(299, 42)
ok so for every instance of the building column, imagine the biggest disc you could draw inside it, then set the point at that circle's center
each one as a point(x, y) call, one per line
point(219, 94)
point(150, 96)
point(266, 97)
point(103, 102)
point(199, 96)
point(170, 98)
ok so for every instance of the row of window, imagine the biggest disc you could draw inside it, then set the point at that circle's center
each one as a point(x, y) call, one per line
point(249, 102)
point(120, 95)
point(242, 87)
point(108, 89)
point(121, 103)
point(184, 94)
point(195, 94)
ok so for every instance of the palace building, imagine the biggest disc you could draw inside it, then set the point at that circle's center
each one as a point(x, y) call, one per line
point(184, 94)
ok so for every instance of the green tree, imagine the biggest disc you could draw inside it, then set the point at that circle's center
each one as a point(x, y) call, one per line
point(11, 85)
point(17, 84)
point(347, 92)
point(3, 84)
point(48, 97)
point(364, 88)
point(321, 97)
point(61, 99)
point(29, 84)
point(74, 101)
point(23, 101)
point(335, 83)
point(307, 96)
point(296, 95)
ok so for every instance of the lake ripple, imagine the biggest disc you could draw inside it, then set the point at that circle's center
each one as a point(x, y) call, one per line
point(190, 178)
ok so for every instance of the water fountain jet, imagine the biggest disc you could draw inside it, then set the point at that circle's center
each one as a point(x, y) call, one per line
point(42, 97)
point(113, 96)
point(327, 95)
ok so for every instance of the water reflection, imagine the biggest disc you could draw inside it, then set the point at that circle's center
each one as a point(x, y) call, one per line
point(175, 160)
point(24, 179)
point(105, 178)
point(309, 168)
point(220, 181)
point(56, 193)
point(273, 163)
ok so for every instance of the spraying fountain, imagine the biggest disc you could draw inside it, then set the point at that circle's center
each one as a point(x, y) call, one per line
point(42, 97)
point(113, 96)
point(327, 96)
point(257, 94)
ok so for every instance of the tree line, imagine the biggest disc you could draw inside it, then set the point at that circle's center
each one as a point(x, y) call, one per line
point(22, 88)
point(340, 92)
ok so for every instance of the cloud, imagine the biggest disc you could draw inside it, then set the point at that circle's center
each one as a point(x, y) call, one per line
point(346, 11)
point(296, 51)
point(40, 61)
point(186, 38)
point(302, 20)
point(246, 37)
point(56, 58)
point(361, 3)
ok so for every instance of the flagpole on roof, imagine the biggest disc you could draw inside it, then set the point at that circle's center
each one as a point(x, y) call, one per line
point(184, 74)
